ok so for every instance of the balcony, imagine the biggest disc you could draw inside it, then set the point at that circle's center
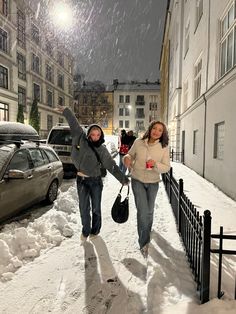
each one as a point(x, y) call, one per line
point(140, 103)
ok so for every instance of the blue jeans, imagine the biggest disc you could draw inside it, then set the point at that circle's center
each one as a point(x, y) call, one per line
point(121, 165)
point(90, 195)
point(144, 196)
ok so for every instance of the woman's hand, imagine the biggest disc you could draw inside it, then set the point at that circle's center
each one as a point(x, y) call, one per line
point(60, 109)
point(127, 161)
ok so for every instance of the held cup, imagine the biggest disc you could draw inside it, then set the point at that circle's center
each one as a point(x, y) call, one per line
point(148, 165)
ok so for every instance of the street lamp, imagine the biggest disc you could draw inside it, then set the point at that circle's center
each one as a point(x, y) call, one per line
point(62, 15)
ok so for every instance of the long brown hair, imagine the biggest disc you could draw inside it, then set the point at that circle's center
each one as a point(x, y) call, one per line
point(164, 139)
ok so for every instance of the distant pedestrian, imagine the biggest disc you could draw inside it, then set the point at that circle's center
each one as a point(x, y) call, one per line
point(131, 138)
point(147, 159)
point(89, 181)
point(123, 149)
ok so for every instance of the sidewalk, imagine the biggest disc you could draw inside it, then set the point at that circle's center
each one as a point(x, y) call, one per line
point(108, 274)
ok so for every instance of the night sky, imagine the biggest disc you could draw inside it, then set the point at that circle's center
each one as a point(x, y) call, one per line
point(118, 39)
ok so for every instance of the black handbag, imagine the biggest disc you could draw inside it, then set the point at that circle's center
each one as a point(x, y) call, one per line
point(120, 209)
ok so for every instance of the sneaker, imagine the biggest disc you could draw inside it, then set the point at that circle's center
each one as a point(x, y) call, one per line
point(144, 251)
point(83, 239)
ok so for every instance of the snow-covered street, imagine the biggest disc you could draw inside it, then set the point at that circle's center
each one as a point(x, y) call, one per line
point(44, 268)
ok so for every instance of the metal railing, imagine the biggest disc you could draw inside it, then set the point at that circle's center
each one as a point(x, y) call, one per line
point(177, 156)
point(221, 251)
point(195, 231)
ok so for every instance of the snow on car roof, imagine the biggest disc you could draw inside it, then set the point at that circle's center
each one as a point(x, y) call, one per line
point(17, 130)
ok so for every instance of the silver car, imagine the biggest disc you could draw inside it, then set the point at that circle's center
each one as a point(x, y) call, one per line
point(29, 173)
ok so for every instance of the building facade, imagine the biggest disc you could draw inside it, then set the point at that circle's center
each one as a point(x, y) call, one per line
point(136, 104)
point(202, 83)
point(94, 104)
point(34, 64)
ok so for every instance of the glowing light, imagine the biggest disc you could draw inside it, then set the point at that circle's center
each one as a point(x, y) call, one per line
point(62, 15)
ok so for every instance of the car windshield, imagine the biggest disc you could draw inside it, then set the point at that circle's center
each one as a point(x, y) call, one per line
point(3, 156)
point(60, 137)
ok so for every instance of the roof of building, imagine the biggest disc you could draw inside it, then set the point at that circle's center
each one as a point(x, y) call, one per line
point(136, 86)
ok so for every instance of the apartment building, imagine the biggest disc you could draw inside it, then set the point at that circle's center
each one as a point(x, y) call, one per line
point(34, 64)
point(201, 87)
point(94, 104)
point(136, 104)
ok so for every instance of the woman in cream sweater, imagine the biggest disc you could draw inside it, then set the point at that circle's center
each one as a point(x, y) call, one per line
point(147, 159)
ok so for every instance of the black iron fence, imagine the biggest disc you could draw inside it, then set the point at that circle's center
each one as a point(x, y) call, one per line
point(177, 156)
point(195, 231)
point(221, 236)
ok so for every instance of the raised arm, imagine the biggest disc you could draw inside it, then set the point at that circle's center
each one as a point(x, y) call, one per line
point(75, 127)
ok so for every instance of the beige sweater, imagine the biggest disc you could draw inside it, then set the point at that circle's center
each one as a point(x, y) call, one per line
point(140, 152)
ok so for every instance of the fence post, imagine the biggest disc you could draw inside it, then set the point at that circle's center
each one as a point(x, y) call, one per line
point(205, 267)
point(170, 186)
point(181, 189)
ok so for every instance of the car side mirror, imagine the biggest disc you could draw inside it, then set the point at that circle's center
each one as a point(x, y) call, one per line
point(14, 174)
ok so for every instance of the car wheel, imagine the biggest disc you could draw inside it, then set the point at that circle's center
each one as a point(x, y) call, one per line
point(52, 192)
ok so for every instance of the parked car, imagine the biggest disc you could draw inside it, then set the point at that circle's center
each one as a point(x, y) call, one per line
point(29, 173)
point(59, 138)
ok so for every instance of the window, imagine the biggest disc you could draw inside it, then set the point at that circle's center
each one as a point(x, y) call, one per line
point(228, 41)
point(121, 99)
point(21, 28)
point(4, 7)
point(35, 34)
point(49, 48)
point(60, 120)
point(60, 58)
point(4, 112)
point(120, 124)
point(60, 81)
point(21, 66)
point(139, 125)
point(20, 161)
point(121, 111)
point(3, 77)
point(140, 100)
point(49, 73)
point(185, 96)
point(127, 99)
point(3, 40)
point(22, 97)
point(195, 142)
point(127, 112)
point(153, 108)
point(140, 113)
point(49, 122)
point(36, 91)
point(37, 157)
point(199, 11)
point(35, 63)
point(197, 79)
point(61, 101)
point(219, 138)
point(127, 124)
point(49, 98)
point(186, 39)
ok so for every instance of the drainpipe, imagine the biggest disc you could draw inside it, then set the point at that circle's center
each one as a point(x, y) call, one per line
point(204, 136)
point(204, 95)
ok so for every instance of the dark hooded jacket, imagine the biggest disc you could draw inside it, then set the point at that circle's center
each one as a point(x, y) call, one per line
point(83, 155)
